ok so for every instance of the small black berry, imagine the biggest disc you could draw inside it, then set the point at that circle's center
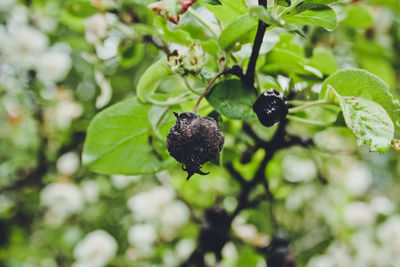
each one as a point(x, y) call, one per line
point(270, 107)
point(278, 254)
point(193, 141)
point(214, 231)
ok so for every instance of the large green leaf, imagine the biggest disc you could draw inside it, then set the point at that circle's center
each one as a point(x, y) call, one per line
point(240, 31)
point(228, 11)
point(151, 78)
point(119, 141)
point(233, 99)
point(369, 122)
point(320, 15)
point(360, 83)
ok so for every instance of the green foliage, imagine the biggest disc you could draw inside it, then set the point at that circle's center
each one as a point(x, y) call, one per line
point(321, 15)
point(360, 83)
point(240, 31)
point(369, 122)
point(119, 141)
point(233, 99)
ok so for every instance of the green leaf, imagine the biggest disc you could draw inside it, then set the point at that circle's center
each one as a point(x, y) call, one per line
point(81, 8)
point(320, 15)
point(119, 141)
point(264, 15)
point(213, 2)
point(151, 78)
point(241, 31)
point(285, 3)
point(176, 36)
point(360, 83)
point(233, 99)
point(323, 60)
point(358, 17)
point(228, 11)
point(369, 122)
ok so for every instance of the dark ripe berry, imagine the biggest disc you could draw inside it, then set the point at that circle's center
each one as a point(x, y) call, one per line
point(214, 231)
point(193, 141)
point(270, 107)
point(278, 254)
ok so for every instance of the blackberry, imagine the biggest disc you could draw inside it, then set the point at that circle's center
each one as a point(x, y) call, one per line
point(278, 254)
point(193, 141)
point(270, 107)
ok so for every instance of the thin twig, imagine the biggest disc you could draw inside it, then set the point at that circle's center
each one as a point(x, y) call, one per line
point(209, 85)
point(235, 174)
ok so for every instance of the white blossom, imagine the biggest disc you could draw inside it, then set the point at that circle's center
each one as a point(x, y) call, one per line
point(358, 179)
point(66, 111)
point(358, 214)
point(148, 205)
point(95, 250)
point(382, 205)
point(90, 191)
point(297, 169)
point(68, 163)
point(122, 181)
point(175, 215)
point(5, 5)
point(96, 27)
point(142, 235)
point(388, 233)
point(142, 238)
point(62, 200)
point(23, 46)
point(53, 65)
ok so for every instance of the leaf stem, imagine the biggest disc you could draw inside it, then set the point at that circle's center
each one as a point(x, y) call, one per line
point(307, 121)
point(309, 104)
point(205, 24)
point(208, 87)
point(251, 67)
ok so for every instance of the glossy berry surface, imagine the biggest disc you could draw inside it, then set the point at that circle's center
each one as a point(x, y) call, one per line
point(270, 107)
point(194, 140)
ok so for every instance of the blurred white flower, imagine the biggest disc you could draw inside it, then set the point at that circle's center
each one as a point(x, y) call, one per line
point(122, 181)
point(23, 45)
point(96, 27)
point(90, 191)
point(142, 238)
point(65, 112)
point(53, 65)
point(142, 235)
point(68, 163)
point(108, 49)
point(95, 250)
point(358, 179)
point(5, 5)
point(184, 248)
point(175, 215)
point(321, 261)
point(388, 232)
point(297, 169)
point(62, 200)
point(358, 214)
point(148, 205)
point(382, 205)
point(299, 196)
